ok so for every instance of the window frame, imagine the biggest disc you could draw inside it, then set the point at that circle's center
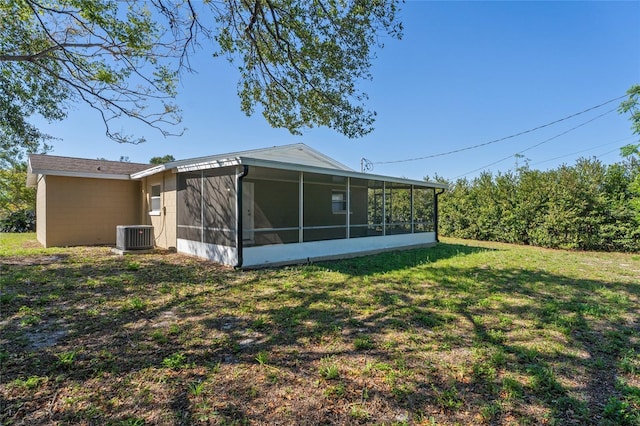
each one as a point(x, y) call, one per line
point(155, 201)
point(342, 201)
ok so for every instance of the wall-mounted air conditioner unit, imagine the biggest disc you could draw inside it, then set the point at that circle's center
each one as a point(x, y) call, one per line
point(134, 237)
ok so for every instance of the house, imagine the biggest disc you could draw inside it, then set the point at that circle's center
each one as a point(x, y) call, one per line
point(272, 206)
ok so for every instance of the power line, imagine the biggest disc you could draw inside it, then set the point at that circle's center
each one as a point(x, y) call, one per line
point(500, 139)
point(608, 152)
point(570, 130)
point(585, 150)
point(539, 143)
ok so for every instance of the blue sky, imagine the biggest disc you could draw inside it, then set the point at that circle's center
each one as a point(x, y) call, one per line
point(465, 73)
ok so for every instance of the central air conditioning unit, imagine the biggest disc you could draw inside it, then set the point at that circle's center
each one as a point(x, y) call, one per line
point(134, 237)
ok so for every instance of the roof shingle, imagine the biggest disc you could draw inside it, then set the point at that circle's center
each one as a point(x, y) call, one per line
point(51, 163)
point(41, 164)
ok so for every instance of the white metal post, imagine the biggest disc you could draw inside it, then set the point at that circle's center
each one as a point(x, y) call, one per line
point(348, 206)
point(412, 199)
point(301, 208)
point(202, 206)
point(384, 208)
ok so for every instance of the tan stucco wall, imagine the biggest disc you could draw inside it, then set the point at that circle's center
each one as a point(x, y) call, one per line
point(82, 211)
point(41, 211)
point(164, 225)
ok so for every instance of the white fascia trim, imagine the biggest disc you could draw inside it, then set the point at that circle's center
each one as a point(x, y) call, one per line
point(227, 162)
point(148, 172)
point(81, 174)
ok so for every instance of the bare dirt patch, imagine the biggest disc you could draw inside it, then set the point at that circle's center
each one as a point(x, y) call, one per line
point(32, 260)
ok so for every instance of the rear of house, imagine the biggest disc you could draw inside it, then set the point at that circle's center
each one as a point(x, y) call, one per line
point(80, 201)
point(263, 207)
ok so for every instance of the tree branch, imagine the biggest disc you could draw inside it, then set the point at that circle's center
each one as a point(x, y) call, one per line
point(46, 52)
point(254, 16)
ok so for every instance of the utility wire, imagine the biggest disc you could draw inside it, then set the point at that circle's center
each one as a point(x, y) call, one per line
point(570, 130)
point(501, 139)
point(584, 150)
point(608, 152)
point(539, 143)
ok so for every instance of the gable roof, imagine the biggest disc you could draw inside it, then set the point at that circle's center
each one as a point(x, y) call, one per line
point(42, 164)
point(297, 154)
point(298, 157)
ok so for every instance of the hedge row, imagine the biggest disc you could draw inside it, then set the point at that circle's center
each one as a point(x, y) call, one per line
point(588, 206)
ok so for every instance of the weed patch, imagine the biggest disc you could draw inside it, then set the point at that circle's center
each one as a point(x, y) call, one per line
point(175, 361)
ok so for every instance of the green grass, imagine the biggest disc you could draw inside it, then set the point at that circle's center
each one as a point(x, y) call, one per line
point(21, 244)
point(262, 358)
point(175, 361)
point(464, 333)
point(329, 369)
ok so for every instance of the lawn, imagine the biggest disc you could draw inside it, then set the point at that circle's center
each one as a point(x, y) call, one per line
point(464, 333)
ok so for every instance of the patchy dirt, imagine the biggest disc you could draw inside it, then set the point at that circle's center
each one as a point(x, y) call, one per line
point(32, 260)
point(41, 339)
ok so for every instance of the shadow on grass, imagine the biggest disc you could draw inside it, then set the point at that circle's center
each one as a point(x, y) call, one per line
point(121, 315)
point(401, 259)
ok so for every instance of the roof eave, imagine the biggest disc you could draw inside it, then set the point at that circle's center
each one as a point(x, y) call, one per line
point(32, 175)
point(203, 165)
point(148, 172)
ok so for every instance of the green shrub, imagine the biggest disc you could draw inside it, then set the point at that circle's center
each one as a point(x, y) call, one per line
point(19, 221)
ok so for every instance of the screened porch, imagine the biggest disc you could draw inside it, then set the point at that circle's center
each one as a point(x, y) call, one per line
point(290, 216)
point(285, 206)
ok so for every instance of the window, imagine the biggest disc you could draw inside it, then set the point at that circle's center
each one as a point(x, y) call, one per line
point(338, 201)
point(155, 198)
